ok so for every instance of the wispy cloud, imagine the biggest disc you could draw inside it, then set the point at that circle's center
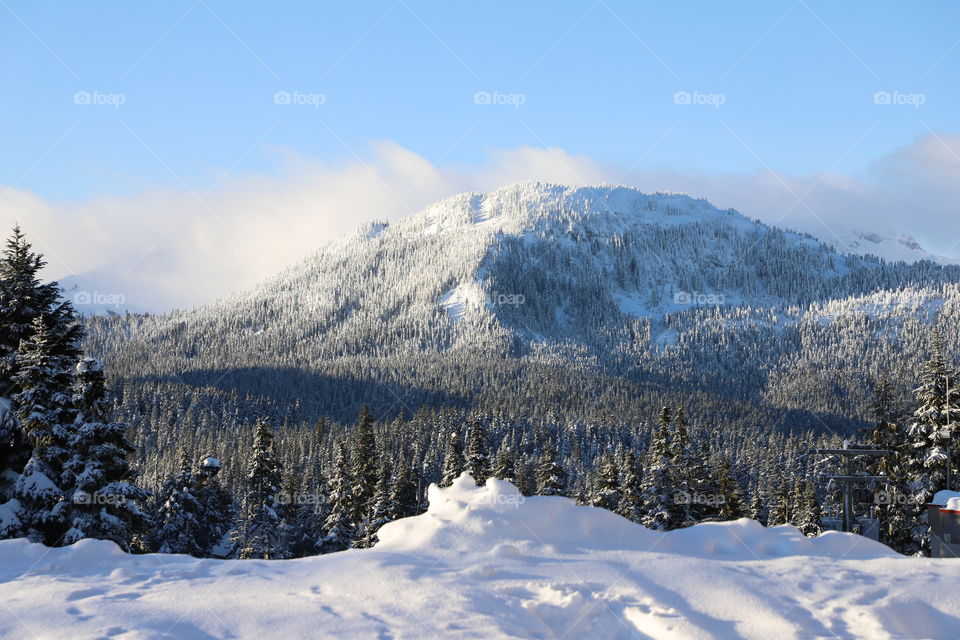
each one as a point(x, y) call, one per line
point(252, 226)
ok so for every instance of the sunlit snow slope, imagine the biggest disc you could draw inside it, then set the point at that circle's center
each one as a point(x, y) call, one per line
point(485, 562)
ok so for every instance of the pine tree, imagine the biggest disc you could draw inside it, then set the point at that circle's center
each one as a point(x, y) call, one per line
point(380, 509)
point(780, 506)
point(404, 501)
point(758, 510)
point(364, 462)
point(684, 479)
point(106, 505)
point(606, 490)
point(260, 532)
point(551, 479)
point(730, 502)
point(478, 462)
point(339, 530)
point(24, 299)
point(453, 462)
point(44, 408)
point(218, 510)
point(504, 464)
point(631, 489)
point(658, 494)
point(931, 438)
point(178, 514)
point(807, 514)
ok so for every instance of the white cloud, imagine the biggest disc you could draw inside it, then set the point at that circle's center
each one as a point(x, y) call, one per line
point(168, 247)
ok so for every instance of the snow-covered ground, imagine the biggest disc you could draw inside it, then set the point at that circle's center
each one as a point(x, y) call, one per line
point(485, 562)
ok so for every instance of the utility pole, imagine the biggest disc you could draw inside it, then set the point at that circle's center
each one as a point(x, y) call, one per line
point(848, 478)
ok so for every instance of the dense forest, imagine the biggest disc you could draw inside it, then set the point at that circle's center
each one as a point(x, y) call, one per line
point(156, 465)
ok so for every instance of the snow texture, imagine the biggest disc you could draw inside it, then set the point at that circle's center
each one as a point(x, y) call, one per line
point(486, 562)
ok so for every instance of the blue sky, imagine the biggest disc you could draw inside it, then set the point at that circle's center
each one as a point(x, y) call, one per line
point(197, 80)
point(144, 143)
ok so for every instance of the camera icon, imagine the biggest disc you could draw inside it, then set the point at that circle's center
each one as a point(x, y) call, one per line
point(482, 97)
point(281, 97)
point(882, 97)
point(81, 97)
point(681, 97)
point(682, 298)
point(682, 497)
point(82, 297)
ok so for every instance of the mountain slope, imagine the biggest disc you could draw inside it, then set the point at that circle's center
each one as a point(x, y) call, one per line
point(481, 298)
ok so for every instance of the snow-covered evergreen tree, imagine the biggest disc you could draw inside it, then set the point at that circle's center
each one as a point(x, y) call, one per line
point(44, 408)
point(339, 531)
point(606, 486)
point(631, 489)
point(218, 510)
point(478, 461)
point(729, 495)
point(178, 514)
point(551, 480)
point(453, 460)
point(260, 533)
point(364, 466)
point(658, 493)
point(504, 464)
point(105, 503)
point(24, 299)
point(381, 509)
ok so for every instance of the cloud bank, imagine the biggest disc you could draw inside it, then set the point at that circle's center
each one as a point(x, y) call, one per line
point(171, 247)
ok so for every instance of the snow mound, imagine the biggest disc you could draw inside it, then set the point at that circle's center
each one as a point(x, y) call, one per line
point(497, 518)
point(486, 562)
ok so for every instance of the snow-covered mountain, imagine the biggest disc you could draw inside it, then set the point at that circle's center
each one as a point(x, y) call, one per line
point(655, 288)
point(889, 245)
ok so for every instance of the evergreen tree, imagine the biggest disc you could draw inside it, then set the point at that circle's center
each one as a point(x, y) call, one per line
point(551, 479)
point(631, 489)
point(44, 408)
point(504, 464)
point(260, 530)
point(684, 477)
point(339, 530)
point(364, 462)
point(381, 509)
point(178, 514)
point(404, 501)
point(24, 299)
point(729, 495)
point(218, 510)
point(106, 505)
point(453, 462)
point(780, 505)
point(658, 494)
point(931, 438)
point(478, 462)
point(758, 510)
point(606, 490)
point(807, 514)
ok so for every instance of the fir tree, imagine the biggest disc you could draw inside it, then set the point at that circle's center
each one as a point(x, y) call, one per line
point(758, 510)
point(780, 505)
point(381, 509)
point(218, 510)
point(729, 495)
point(658, 494)
point(260, 530)
point(404, 501)
point(44, 408)
point(504, 464)
point(106, 505)
point(339, 530)
point(606, 490)
point(550, 478)
point(478, 462)
point(807, 513)
point(631, 489)
point(24, 299)
point(178, 514)
point(453, 462)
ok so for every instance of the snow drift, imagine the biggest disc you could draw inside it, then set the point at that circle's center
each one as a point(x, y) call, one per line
point(487, 562)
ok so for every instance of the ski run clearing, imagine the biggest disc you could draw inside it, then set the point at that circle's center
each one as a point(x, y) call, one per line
point(485, 562)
